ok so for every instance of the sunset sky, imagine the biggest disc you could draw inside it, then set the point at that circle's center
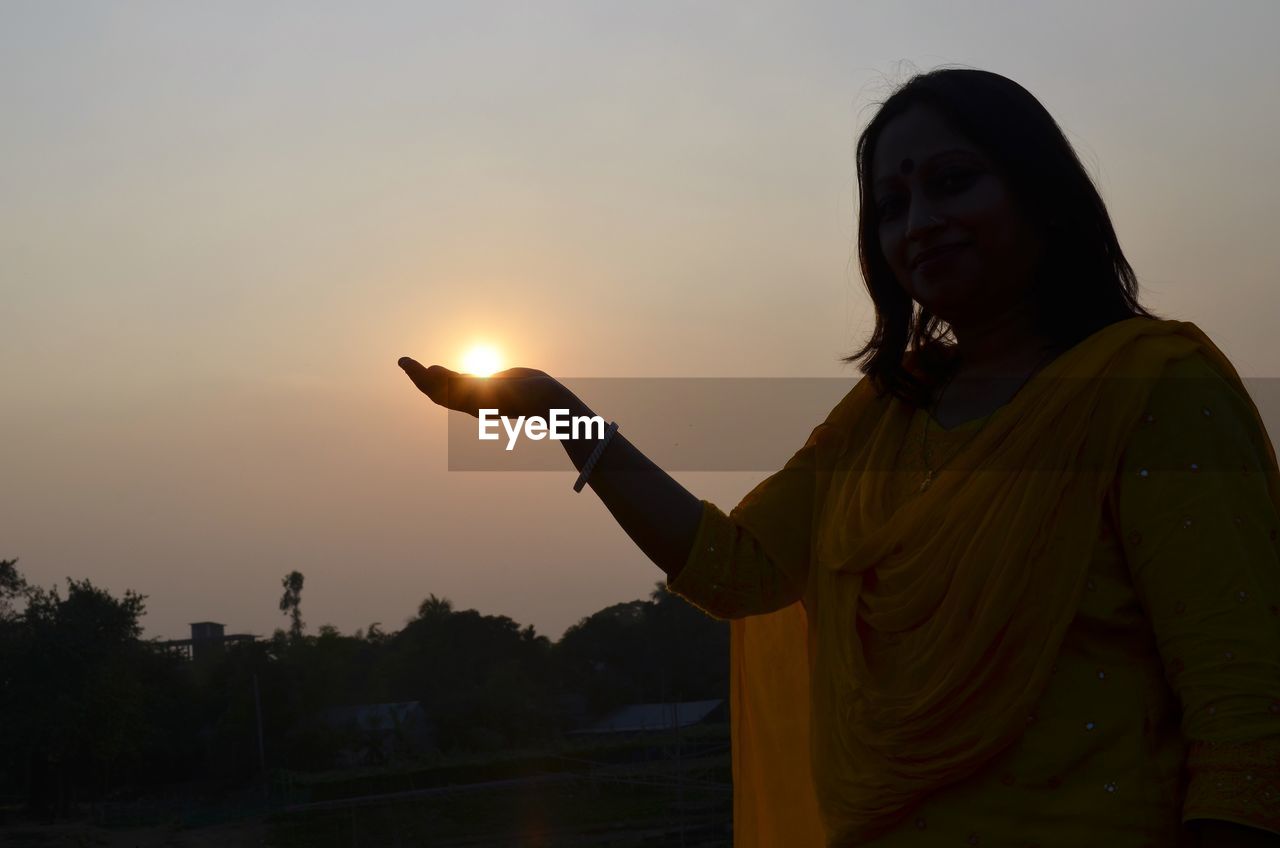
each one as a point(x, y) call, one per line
point(222, 223)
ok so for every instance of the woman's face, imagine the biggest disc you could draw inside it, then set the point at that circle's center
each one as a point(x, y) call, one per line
point(931, 187)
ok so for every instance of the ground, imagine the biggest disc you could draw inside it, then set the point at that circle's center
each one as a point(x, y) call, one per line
point(250, 834)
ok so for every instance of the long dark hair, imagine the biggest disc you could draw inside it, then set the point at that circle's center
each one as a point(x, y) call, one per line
point(1083, 281)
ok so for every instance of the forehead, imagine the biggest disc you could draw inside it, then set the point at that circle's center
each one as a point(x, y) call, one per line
point(912, 139)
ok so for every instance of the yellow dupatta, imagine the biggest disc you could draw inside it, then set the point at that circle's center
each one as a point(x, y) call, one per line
point(928, 633)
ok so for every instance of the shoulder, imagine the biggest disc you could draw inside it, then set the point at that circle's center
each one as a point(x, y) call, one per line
point(928, 365)
point(1195, 365)
point(1198, 411)
point(860, 400)
point(1196, 386)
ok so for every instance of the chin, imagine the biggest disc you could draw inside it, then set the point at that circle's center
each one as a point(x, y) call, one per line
point(944, 298)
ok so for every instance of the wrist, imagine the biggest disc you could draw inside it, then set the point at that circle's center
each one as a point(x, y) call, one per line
point(563, 398)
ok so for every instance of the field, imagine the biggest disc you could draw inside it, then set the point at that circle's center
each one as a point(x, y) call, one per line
point(655, 790)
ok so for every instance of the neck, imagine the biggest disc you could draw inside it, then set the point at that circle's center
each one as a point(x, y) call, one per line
point(1002, 343)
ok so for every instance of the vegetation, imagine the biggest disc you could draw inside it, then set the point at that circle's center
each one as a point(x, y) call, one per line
point(93, 712)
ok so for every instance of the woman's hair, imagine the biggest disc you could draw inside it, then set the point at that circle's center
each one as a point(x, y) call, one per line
point(1083, 281)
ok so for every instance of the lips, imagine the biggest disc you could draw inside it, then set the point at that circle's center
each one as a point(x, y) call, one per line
point(935, 252)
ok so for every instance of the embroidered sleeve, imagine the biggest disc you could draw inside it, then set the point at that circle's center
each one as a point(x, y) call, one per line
point(755, 559)
point(1199, 525)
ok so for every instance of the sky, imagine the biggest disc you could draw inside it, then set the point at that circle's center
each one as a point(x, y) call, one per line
point(222, 223)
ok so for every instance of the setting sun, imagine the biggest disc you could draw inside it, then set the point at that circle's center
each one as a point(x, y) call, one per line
point(481, 360)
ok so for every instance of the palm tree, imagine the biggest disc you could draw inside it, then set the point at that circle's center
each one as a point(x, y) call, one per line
point(291, 602)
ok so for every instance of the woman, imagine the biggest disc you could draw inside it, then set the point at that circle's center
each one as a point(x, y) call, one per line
point(1021, 586)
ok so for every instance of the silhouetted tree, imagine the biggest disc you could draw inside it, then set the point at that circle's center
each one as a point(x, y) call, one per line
point(291, 602)
point(12, 588)
point(483, 680)
point(89, 707)
point(435, 608)
point(85, 701)
point(645, 651)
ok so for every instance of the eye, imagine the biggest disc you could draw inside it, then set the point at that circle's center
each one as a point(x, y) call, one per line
point(885, 208)
point(956, 179)
point(951, 182)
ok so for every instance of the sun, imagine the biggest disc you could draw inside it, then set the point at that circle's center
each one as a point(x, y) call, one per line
point(481, 360)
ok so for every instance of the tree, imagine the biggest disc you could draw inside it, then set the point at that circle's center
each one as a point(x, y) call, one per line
point(645, 650)
point(291, 602)
point(12, 586)
point(483, 680)
point(83, 698)
point(433, 608)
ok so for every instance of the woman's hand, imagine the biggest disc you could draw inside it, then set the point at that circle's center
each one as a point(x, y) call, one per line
point(513, 392)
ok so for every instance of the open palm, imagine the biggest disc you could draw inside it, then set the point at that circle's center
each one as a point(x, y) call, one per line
point(513, 392)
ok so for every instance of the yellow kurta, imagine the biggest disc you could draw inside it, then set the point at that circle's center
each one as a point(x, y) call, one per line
point(1163, 704)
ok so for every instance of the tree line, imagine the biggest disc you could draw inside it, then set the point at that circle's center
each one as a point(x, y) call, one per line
point(93, 711)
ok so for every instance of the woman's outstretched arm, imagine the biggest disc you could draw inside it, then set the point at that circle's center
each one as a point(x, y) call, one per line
point(660, 515)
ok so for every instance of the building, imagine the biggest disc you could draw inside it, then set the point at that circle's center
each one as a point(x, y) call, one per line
point(208, 640)
point(641, 718)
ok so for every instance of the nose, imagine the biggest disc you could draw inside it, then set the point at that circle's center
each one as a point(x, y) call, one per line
point(920, 219)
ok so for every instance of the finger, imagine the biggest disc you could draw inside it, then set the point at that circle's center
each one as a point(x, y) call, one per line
point(461, 392)
point(432, 382)
point(516, 373)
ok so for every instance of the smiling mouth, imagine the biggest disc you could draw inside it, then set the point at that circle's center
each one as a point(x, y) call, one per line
point(937, 253)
